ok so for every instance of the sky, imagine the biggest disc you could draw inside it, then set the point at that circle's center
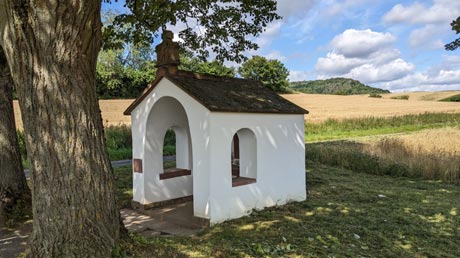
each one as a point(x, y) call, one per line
point(394, 45)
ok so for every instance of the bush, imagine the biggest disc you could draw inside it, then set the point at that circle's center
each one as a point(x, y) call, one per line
point(455, 98)
point(404, 97)
point(375, 95)
point(118, 137)
point(169, 150)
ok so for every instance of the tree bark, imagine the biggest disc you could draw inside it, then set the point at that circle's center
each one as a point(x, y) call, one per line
point(52, 48)
point(14, 192)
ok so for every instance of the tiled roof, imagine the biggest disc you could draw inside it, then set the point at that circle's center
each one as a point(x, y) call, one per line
point(226, 94)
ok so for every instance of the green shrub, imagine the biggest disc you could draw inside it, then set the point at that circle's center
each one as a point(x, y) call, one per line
point(454, 98)
point(169, 150)
point(120, 154)
point(22, 144)
point(375, 95)
point(404, 97)
point(118, 137)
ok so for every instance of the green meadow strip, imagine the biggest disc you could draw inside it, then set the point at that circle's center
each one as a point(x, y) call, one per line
point(333, 129)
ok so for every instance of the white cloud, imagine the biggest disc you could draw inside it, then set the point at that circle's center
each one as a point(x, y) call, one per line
point(360, 43)
point(291, 9)
point(275, 55)
point(431, 22)
point(423, 37)
point(371, 73)
point(295, 76)
point(336, 8)
point(442, 76)
point(442, 11)
point(335, 63)
point(364, 55)
point(425, 81)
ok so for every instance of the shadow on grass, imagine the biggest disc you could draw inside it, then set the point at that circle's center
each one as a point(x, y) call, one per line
point(346, 214)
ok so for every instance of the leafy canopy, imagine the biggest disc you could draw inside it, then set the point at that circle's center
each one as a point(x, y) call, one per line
point(456, 43)
point(124, 73)
point(220, 26)
point(193, 64)
point(272, 73)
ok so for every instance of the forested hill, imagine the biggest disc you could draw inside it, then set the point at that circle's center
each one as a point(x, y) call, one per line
point(337, 86)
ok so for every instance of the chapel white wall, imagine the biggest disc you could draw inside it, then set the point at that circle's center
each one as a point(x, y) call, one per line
point(280, 163)
point(147, 188)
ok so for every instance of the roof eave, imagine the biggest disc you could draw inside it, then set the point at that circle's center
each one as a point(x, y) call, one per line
point(144, 94)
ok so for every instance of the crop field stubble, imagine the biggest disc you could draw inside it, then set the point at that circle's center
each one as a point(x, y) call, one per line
point(321, 107)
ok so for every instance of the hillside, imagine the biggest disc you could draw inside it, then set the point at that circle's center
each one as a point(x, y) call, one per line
point(336, 86)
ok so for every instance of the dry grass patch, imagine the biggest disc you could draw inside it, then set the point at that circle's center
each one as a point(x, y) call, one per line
point(430, 154)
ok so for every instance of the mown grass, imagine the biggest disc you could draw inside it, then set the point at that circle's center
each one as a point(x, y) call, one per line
point(347, 214)
point(333, 129)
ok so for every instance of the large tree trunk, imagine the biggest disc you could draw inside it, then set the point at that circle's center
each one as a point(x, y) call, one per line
point(14, 192)
point(52, 47)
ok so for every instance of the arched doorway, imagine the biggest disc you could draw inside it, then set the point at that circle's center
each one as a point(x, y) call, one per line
point(165, 184)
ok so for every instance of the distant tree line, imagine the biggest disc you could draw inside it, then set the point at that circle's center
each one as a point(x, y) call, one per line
point(336, 86)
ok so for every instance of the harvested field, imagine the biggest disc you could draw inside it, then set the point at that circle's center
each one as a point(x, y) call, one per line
point(423, 95)
point(322, 107)
point(112, 112)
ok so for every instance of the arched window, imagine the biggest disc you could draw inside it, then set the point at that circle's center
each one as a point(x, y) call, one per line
point(169, 150)
point(244, 158)
point(176, 153)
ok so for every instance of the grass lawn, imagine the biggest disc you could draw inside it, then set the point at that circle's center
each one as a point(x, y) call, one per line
point(347, 214)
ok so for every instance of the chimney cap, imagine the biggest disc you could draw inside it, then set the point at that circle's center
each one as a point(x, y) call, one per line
point(167, 53)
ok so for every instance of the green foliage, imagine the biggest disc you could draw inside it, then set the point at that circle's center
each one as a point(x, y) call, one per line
point(375, 95)
point(354, 127)
point(455, 24)
point(272, 73)
point(22, 144)
point(347, 214)
point(124, 73)
point(401, 97)
point(224, 26)
point(215, 67)
point(336, 86)
point(118, 137)
point(454, 98)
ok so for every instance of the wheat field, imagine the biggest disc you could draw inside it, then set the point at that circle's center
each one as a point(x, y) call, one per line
point(433, 153)
point(321, 107)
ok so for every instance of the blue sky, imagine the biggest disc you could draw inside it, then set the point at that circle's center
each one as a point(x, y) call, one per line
point(396, 45)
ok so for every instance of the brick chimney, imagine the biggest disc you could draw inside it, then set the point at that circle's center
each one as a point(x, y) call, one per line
point(167, 54)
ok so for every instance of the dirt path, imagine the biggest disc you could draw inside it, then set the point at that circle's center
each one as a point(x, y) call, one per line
point(14, 241)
